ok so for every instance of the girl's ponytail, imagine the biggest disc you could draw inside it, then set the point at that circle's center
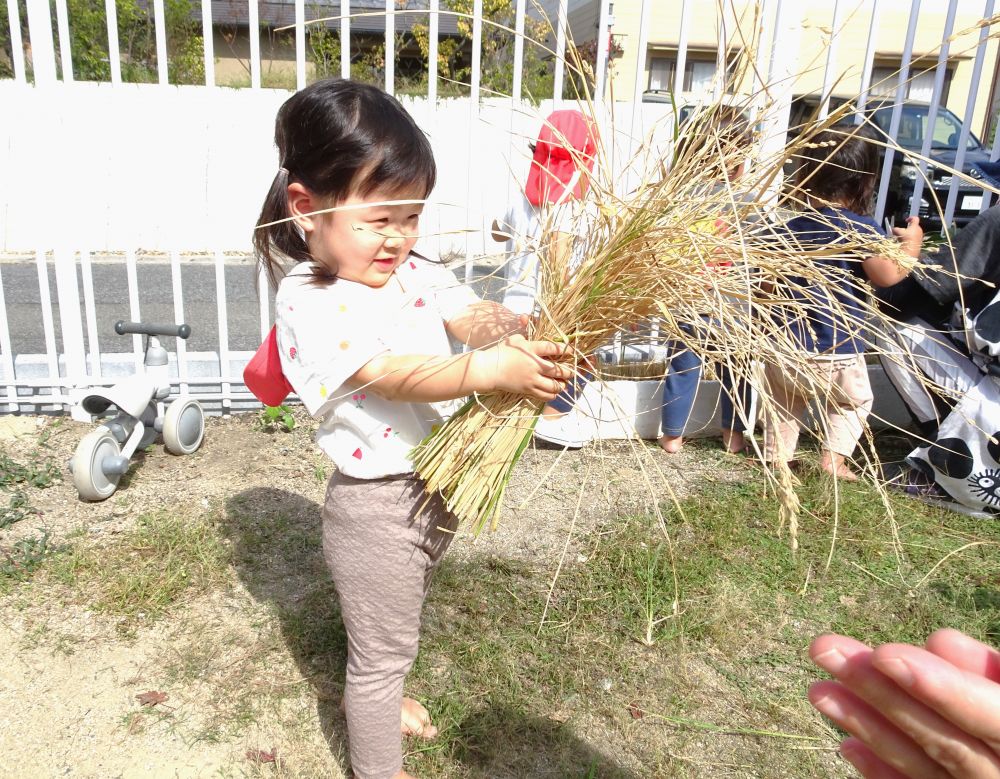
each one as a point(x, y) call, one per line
point(279, 240)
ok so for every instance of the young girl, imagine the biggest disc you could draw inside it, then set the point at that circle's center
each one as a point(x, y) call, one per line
point(838, 174)
point(362, 328)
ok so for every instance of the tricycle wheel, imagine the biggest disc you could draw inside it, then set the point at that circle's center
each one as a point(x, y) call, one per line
point(89, 477)
point(183, 426)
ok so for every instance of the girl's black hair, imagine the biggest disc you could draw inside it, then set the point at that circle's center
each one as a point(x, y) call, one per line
point(840, 165)
point(338, 138)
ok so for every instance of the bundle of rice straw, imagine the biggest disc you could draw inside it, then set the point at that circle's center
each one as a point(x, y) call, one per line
point(688, 245)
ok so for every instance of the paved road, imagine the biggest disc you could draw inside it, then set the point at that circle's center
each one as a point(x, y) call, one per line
point(21, 291)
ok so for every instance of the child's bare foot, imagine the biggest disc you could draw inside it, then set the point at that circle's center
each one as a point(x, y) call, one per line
point(733, 441)
point(834, 465)
point(416, 721)
point(404, 775)
point(671, 444)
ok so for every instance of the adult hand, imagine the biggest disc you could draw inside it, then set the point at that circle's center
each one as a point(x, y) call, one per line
point(912, 712)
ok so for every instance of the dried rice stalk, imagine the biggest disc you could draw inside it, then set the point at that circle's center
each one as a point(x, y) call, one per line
point(689, 246)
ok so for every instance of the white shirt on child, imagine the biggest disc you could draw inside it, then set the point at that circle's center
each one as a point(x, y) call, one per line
point(326, 333)
point(524, 223)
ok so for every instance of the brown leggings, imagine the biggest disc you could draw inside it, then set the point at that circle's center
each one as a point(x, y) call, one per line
point(381, 556)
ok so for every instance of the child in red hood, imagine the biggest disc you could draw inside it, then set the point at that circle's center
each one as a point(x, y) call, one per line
point(562, 160)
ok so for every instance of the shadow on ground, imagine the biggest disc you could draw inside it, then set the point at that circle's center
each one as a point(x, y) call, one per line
point(276, 542)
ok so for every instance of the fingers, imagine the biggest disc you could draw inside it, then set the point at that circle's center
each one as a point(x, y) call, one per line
point(886, 742)
point(965, 652)
point(869, 765)
point(888, 690)
point(966, 699)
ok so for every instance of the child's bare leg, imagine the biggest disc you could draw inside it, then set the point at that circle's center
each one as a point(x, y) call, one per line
point(836, 464)
point(733, 441)
point(671, 444)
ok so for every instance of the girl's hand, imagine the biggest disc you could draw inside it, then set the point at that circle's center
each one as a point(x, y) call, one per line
point(914, 712)
point(527, 368)
point(911, 236)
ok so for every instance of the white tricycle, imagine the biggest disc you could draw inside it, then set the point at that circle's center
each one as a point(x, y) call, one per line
point(102, 456)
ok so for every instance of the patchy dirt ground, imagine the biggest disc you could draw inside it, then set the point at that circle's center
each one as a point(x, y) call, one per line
point(69, 680)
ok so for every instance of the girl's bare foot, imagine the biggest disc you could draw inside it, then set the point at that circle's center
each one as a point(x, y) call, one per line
point(671, 444)
point(416, 721)
point(834, 465)
point(733, 441)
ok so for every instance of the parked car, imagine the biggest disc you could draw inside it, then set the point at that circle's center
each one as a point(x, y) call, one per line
point(913, 128)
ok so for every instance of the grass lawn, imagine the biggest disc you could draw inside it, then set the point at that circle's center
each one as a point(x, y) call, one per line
point(676, 651)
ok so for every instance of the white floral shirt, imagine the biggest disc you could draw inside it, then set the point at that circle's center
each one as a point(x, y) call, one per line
point(326, 333)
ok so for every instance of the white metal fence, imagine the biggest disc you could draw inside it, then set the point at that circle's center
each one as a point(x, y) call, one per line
point(179, 169)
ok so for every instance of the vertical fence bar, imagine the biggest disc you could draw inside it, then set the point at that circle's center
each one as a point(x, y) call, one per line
point(6, 351)
point(178, 295)
point(68, 295)
point(345, 39)
point(132, 277)
point(162, 60)
point(45, 299)
point(264, 306)
point(866, 69)
point(781, 72)
point(43, 54)
point(390, 47)
point(603, 51)
point(432, 54)
point(640, 67)
point(65, 45)
point(897, 109)
point(721, 56)
point(515, 91)
point(253, 30)
point(208, 37)
point(300, 44)
point(90, 316)
point(114, 52)
point(831, 60)
point(220, 297)
point(477, 59)
point(970, 107)
point(680, 62)
point(761, 84)
point(932, 110)
point(16, 42)
point(560, 66)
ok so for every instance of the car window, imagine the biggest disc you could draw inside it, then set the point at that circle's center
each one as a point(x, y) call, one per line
point(913, 128)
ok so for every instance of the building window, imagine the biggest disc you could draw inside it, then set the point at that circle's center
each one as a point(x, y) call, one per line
point(920, 87)
point(699, 73)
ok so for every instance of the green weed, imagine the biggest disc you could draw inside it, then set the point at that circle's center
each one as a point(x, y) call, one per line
point(276, 418)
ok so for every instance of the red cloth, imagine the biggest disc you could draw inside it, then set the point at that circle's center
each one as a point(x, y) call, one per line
point(554, 164)
point(263, 375)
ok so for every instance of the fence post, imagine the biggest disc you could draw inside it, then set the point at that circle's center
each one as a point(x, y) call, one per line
point(43, 53)
point(68, 295)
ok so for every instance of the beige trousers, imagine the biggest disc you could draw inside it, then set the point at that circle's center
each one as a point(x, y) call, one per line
point(840, 387)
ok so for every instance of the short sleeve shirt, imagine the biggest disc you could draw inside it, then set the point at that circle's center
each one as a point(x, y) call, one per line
point(821, 325)
point(327, 333)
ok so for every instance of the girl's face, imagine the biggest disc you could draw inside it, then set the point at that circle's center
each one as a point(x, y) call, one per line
point(364, 241)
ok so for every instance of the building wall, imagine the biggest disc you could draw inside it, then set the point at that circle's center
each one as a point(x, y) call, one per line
point(815, 20)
